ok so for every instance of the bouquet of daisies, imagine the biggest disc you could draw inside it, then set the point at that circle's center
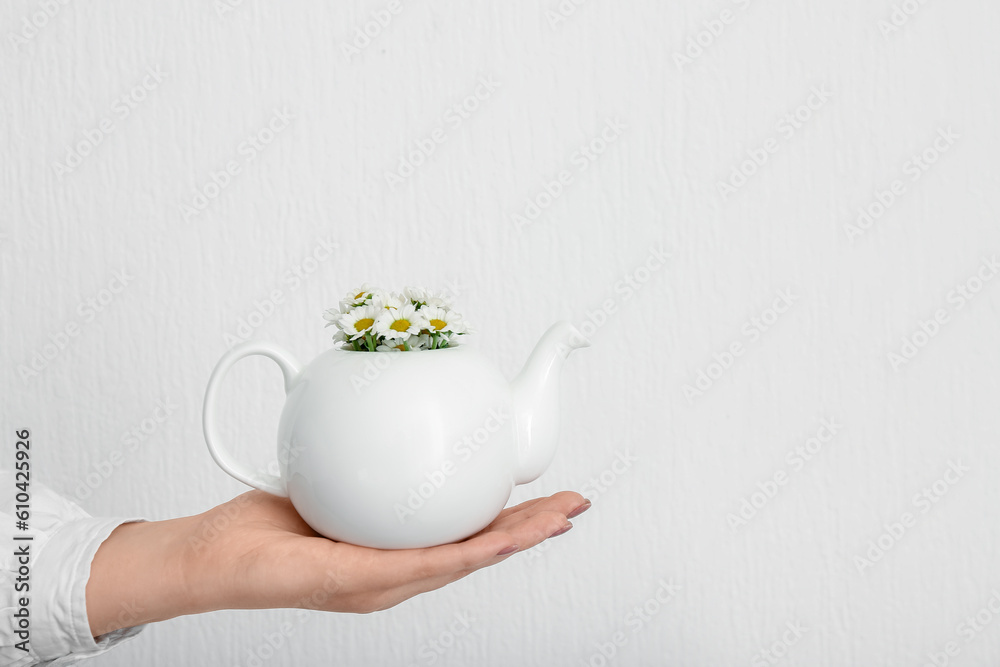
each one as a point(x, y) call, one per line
point(373, 320)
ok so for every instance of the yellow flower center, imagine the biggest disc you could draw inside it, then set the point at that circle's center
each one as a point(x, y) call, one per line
point(401, 347)
point(400, 325)
point(358, 295)
point(363, 324)
point(438, 324)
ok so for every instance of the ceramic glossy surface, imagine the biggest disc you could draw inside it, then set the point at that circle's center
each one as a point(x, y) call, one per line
point(404, 449)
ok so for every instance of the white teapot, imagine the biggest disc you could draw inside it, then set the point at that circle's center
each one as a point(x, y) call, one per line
point(404, 449)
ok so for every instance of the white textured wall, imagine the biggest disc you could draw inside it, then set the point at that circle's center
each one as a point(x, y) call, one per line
point(686, 126)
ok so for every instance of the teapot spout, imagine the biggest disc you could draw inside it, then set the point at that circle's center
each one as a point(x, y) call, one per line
point(536, 400)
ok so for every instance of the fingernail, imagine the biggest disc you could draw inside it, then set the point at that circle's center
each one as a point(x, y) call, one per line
point(562, 530)
point(508, 551)
point(579, 510)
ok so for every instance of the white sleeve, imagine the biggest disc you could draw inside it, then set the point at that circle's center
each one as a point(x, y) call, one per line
point(53, 581)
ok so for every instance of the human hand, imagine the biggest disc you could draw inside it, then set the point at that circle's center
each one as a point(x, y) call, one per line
point(255, 552)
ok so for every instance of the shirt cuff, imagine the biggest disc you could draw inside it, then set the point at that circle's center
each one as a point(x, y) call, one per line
point(60, 573)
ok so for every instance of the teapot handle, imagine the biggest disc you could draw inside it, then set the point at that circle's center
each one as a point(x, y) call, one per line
point(289, 368)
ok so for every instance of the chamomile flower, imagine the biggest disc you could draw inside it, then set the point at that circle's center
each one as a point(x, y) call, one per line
point(426, 297)
point(416, 294)
point(382, 300)
point(356, 297)
point(332, 317)
point(421, 342)
point(418, 342)
point(438, 302)
point(399, 323)
point(358, 322)
point(440, 320)
point(373, 319)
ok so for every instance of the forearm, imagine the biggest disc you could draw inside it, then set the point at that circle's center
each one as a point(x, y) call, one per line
point(142, 574)
point(256, 552)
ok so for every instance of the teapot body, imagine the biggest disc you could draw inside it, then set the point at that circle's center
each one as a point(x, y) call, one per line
point(403, 449)
point(398, 450)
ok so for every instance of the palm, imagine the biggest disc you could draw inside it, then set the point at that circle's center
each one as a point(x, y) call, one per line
point(276, 560)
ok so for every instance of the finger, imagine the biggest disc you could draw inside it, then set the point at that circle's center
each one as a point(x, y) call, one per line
point(527, 504)
point(531, 522)
point(524, 533)
point(387, 570)
point(485, 546)
point(527, 533)
point(530, 531)
point(564, 502)
point(458, 570)
point(408, 572)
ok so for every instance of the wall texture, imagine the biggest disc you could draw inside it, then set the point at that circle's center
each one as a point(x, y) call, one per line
point(789, 428)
